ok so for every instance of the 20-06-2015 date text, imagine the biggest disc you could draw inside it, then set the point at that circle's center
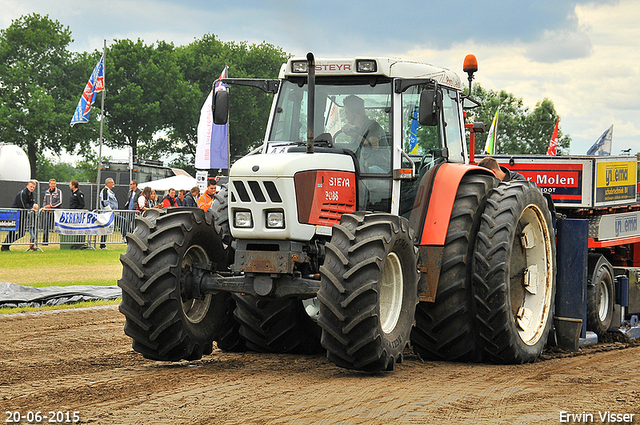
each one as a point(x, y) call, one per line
point(37, 417)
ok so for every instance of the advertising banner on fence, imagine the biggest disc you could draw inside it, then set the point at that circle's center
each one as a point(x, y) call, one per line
point(78, 222)
point(9, 220)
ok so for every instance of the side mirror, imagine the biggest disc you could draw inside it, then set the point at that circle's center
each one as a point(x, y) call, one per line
point(430, 106)
point(221, 107)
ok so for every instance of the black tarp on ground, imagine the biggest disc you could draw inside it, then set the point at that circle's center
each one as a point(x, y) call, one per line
point(13, 295)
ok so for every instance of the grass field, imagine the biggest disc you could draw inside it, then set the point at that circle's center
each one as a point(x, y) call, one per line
point(56, 267)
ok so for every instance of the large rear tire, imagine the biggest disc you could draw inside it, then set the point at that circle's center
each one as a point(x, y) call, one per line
point(515, 273)
point(445, 329)
point(163, 321)
point(369, 291)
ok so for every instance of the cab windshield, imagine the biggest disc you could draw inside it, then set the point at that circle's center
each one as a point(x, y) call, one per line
point(354, 115)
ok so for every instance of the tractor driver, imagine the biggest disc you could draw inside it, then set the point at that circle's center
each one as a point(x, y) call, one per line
point(360, 127)
point(366, 135)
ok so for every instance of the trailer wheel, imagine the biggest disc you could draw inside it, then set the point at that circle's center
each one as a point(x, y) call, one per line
point(600, 301)
point(276, 325)
point(229, 338)
point(369, 291)
point(445, 329)
point(514, 279)
point(163, 320)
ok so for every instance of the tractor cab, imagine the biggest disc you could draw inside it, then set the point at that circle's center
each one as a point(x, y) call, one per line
point(370, 110)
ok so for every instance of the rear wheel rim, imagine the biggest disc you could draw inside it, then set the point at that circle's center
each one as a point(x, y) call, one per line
point(195, 310)
point(391, 293)
point(531, 275)
point(603, 289)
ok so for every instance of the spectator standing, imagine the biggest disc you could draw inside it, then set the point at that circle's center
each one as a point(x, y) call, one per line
point(109, 202)
point(143, 200)
point(170, 199)
point(132, 204)
point(52, 200)
point(191, 198)
point(76, 201)
point(181, 200)
point(26, 203)
point(132, 196)
point(206, 199)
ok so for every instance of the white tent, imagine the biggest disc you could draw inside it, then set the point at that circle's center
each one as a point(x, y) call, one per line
point(175, 182)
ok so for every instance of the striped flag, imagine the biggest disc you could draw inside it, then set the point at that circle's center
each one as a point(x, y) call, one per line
point(212, 150)
point(94, 85)
point(553, 144)
point(602, 146)
point(490, 146)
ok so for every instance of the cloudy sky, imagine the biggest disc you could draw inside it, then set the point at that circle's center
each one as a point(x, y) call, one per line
point(584, 55)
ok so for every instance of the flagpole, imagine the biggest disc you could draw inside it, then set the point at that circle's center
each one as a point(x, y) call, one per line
point(104, 89)
point(228, 131)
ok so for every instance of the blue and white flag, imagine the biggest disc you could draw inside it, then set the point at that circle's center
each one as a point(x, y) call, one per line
point(602, 146)
point(94, 85)
point(212, 150)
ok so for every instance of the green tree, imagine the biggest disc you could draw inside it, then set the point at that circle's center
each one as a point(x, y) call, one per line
point(201, 63)
point(520, 130)
point(34, 86)
point(132, 103)
point(155, 93)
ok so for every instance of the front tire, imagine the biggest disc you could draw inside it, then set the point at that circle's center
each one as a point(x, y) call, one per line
point(276, 325)
point(164, 322)
point(515, 272)
point(369, 291)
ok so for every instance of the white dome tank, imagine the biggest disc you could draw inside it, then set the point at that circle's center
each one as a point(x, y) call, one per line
point(14, 163)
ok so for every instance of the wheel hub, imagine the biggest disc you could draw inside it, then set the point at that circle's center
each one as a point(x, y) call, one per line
point(195, 310)
point(531, 285)
point(391, 293)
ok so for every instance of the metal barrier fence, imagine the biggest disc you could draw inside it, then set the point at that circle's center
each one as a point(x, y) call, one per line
point(30, 229)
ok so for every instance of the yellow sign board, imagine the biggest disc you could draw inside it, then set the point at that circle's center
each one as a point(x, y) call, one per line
point(616, 180)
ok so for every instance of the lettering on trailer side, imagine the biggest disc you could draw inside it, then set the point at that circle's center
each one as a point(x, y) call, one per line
point(616, 174)
point(621, 225)
point(626, 225)
point(562, 181)
point(557, 179)
point(616, 181)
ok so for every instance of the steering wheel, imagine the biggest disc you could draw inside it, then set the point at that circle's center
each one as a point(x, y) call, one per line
point(343, 140)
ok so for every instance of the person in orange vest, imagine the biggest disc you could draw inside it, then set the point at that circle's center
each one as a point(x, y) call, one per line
point(170, 199)
point(206, 199)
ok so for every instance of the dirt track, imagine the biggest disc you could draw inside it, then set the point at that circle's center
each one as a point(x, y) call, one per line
point(82, 361)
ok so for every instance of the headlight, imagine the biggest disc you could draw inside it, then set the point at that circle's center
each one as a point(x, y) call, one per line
point(275, 220)
point(366, 66)
point(299, 67)
point(243, 219)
